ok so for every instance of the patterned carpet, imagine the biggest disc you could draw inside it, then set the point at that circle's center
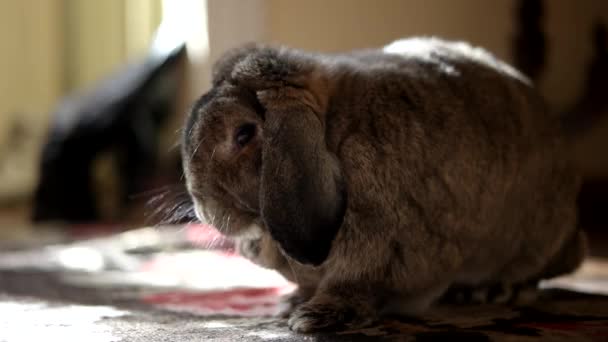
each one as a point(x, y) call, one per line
point(185, 284)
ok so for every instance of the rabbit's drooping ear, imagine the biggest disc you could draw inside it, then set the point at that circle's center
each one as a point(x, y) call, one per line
point(302, 194)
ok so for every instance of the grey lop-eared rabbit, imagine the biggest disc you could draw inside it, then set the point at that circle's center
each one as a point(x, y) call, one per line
point(382, 180)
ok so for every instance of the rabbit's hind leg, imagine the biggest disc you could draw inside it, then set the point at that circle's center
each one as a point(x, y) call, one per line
point(499, 293)
point(566, 260)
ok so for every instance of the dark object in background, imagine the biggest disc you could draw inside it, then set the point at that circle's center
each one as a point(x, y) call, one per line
point(592, 108)
point(593, 102)
point(529, 54)
point(529, 44)
point(592, 205)
point(124, 115)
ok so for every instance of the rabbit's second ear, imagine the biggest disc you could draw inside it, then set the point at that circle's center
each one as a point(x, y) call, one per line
point(302, 194)
point(268, 67)
point(223, 68)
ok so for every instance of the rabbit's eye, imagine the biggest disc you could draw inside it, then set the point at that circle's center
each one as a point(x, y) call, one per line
point(244, 134)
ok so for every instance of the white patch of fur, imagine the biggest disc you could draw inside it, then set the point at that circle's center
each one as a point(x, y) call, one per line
point(426, 49)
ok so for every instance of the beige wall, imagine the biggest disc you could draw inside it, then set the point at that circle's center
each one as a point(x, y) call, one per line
point(348, 24)
point(30, 63)
point(102, 35)
point(30, 79)
point(94, 40)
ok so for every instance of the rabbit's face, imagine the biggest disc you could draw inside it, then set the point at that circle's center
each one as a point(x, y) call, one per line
point(222, 159)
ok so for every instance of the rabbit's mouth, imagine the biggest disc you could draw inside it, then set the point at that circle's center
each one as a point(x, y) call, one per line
point(228, 221)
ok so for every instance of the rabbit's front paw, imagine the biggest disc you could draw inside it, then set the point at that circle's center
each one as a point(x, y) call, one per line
point(315, 316)
point(292, 301)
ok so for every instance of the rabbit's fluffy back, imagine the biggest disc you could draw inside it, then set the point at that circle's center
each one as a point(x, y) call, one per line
point(452, 164)
point(427, 49)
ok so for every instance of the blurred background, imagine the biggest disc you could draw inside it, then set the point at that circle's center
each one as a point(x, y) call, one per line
point(93, 93)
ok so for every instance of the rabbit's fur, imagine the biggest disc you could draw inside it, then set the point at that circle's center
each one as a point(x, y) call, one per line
point(376, 180)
